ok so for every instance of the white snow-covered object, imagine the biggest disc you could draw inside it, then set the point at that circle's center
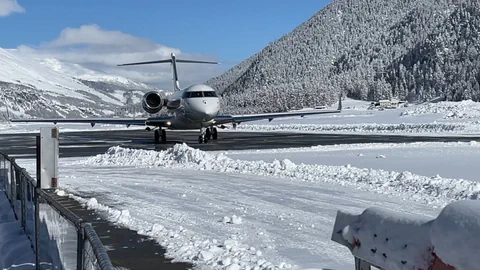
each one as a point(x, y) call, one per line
point(455, 234)
point(393, 240)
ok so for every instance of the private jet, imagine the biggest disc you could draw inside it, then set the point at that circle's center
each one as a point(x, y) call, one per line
point(195, 107)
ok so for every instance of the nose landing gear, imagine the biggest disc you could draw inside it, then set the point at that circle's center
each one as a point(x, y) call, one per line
point(207, 133)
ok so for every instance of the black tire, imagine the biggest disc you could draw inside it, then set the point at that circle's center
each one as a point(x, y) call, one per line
point(214, 134)
point(200, 139)
point(164, 136)
point(208, 134)
point(157, 136)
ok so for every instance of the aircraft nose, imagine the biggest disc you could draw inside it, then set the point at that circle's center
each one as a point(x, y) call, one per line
point(203, 109)
point(211, 110)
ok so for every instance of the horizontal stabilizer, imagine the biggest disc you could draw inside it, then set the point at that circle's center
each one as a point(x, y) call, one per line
point(148, 62)
point(196, 62)
point(169, 61)
point(173, 61)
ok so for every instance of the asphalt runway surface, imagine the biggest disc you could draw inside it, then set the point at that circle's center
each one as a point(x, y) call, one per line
point(88, 143)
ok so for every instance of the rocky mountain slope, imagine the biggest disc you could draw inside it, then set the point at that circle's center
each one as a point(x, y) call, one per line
point(368, 49)
point(50, 88)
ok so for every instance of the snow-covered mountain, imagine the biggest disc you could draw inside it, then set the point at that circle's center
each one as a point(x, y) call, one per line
point(85, 74)
point(46, 87)
point(368, 49)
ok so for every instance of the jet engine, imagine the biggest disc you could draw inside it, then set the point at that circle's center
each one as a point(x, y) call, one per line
point(152, 102)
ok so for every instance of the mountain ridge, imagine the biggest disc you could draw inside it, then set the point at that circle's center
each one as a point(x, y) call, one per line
point(47, 87)
point(349, 46)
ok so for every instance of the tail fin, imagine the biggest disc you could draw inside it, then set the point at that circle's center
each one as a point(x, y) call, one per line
point(173, 61)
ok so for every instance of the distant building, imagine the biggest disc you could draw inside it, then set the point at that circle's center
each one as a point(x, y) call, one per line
point(387, 104)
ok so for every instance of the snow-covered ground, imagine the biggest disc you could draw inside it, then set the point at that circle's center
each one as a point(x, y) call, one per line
point(241, 210)
point(452, 118)
point(451, 160)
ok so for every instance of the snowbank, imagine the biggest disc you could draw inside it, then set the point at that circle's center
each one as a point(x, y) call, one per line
point(403, 128)
point(359, 146)
point(430, 190)
point(466, 109)
point(398, 241)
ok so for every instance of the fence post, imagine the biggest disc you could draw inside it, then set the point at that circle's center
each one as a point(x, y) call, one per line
point(49, 157)
point(23, 187)
point(13, 185)
point(80, 245)
point(37, 206)
point(39, 159)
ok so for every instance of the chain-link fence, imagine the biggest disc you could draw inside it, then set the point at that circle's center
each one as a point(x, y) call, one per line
point(58, 237)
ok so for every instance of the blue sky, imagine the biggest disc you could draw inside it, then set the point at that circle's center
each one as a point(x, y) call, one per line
point(230, 30)
point(99, 34)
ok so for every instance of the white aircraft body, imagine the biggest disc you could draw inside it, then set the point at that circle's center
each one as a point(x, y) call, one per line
point(195, 107)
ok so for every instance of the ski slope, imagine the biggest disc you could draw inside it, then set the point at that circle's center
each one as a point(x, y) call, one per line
point(17, 69)
point(241, 210)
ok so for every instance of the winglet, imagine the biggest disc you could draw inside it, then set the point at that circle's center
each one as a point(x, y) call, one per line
point(340, 102)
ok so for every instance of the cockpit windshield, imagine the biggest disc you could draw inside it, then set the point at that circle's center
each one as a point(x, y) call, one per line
point(209, 94)
point(196, 94)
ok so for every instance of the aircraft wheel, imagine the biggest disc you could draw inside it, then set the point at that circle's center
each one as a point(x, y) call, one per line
point(202, 139)
point(164, 135)
point(157, 136)
point(214, 133)
point(208, 134)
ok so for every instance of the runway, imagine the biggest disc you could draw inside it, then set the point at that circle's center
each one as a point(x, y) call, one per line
point(77, 144)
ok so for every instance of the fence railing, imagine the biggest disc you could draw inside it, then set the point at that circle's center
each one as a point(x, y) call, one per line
point(58, 237)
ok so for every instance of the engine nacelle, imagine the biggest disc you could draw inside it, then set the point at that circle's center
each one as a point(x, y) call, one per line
point(152, 102)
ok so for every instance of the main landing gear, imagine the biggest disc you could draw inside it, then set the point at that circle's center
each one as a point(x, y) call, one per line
point(160, 134)
point(207, 133)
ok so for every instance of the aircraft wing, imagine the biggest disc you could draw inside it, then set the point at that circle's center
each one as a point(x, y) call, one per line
point(226, 119)
point(154, 121)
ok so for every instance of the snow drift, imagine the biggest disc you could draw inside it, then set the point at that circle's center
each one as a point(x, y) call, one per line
point(430, 190)
point(404, 128)
point(466, 109)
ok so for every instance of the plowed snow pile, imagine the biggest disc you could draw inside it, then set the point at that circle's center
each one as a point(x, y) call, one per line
point(434, 190)
point(466, 109)
point(404, 128)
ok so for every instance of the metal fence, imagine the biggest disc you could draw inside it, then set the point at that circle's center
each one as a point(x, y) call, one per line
point(59, 238)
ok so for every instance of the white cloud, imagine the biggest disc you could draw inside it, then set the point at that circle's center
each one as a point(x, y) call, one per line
point(102, 50)
point(8, 7)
